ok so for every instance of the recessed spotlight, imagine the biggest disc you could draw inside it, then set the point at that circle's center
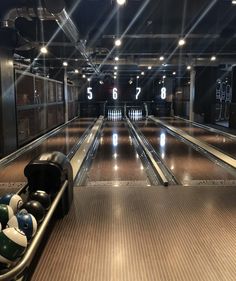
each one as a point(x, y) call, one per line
point(174, 73)
point(89, 79)
point(234, 2)
point(115, 67)
point(65, 63)
point(181, 42)
point(116, 58)
point(121, 2)
point(118, 42)
point(44, 50)
point(84, 76)
point(115, 77)
point(137, 77)
point(76, 71)
point(142, 73)
point(213, 58)
point(164, 77)
point(115, 73)
point(161, 58)
point(149, 67)
point(189, 67)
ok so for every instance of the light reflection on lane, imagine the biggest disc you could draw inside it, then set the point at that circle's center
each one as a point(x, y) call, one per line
point(116, 159)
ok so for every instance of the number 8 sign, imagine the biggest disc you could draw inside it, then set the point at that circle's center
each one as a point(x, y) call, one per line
point(163, 93)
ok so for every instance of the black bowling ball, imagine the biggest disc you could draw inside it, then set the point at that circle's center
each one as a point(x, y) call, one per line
point(42, 197)
point(36, 209)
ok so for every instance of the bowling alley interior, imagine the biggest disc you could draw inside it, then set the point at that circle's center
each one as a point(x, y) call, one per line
point(118, 140)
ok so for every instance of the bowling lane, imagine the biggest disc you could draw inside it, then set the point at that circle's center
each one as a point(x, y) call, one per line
point(221, 142)
point(189, 166)
point(116, 161)
point(12, 175)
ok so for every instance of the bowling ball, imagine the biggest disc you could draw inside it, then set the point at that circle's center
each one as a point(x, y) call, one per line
point(25, 222)
point(13, 244)
point(35, 208)
point(6, 213)
point(42, 197)
point(13, 200)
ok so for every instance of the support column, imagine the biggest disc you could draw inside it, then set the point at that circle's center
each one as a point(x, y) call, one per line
point(192, 94)
point(205, 94)
point(233, 84)
point(66, 98)
point(232, 110)
point(8, 122)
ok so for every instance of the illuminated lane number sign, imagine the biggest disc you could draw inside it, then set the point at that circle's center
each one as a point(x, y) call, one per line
point(163, 93)
point(138, 91)
point(115, 93)
point(90, 93)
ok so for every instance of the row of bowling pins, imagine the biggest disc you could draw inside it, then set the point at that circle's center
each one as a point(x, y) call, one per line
point(135, 114)
point(114, 114)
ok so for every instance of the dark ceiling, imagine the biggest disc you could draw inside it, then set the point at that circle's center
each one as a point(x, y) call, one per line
point(148, 28)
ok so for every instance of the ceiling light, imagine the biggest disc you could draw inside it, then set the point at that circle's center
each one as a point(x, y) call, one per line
point(149, 67)
point(164, 77)
point(115, 77)
point(76, 71)
point(89, 79)
point(188, 67)
point(164, 64)
point(213, 58)
point(142, 73)
point(44, 50)
point(181, 42)
point(115, 67)
point(130, 81)
point(161, 58)
point(137, 77)
point(116, 58)
point(115, 73)
point(84, 76)
point(101, 82)
point(65, 63)
point(118, 42)
point(174, 73)
point(234, 2)
point(121, 2)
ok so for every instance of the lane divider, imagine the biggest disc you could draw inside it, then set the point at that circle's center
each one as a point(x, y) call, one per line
point(79, 157)
point(149, 155)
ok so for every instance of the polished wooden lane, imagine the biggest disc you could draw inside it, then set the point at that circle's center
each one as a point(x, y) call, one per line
point(62, 141)
point(188, 165)
point(144, 234)
point(219, 141)
point(115, 158)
